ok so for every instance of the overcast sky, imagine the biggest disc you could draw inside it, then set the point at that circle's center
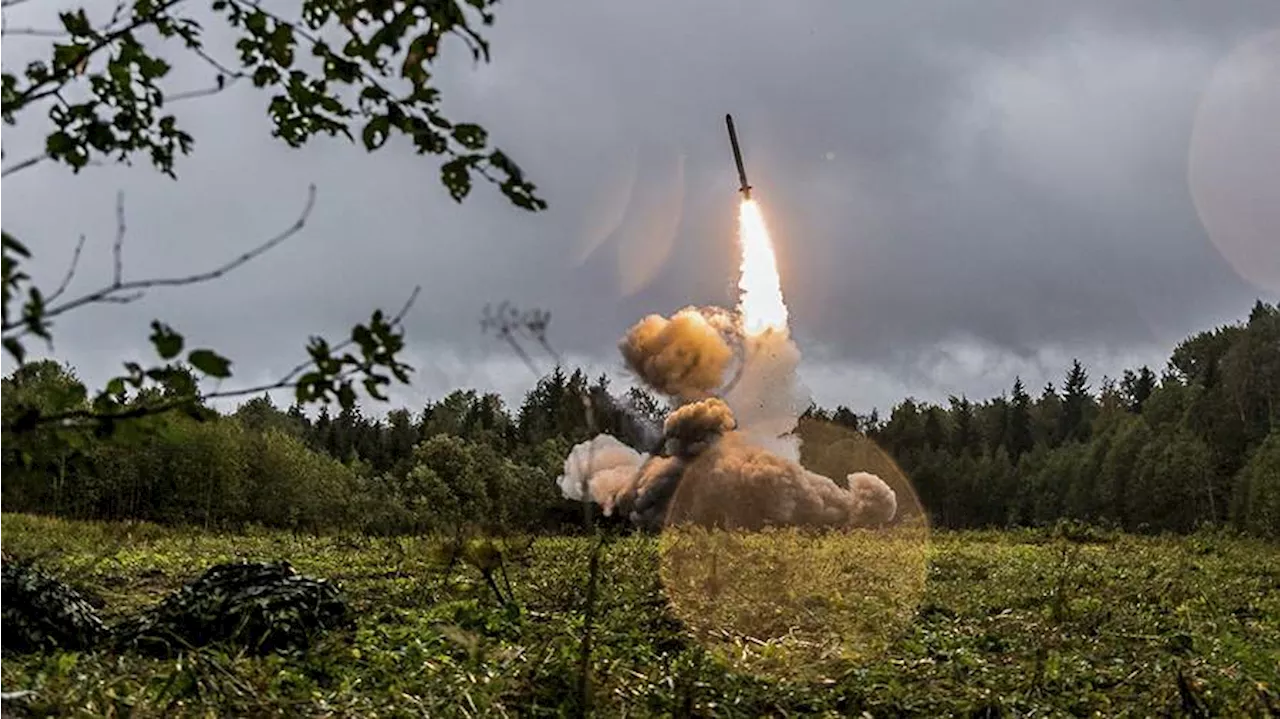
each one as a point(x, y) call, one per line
point(959, 192)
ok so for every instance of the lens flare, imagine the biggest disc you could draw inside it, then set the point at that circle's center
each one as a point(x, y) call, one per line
point(760, 299)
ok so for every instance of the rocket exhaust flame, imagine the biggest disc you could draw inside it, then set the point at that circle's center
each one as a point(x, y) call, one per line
point(760, 299)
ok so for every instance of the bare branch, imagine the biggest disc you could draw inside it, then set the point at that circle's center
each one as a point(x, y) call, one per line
point(120, 291)
point(11, 3)
point(122, 299)
point(34, 32)
point(71, 271)
point(39, 158)
point(220, 67)
point(222, 83)
point(19, 166)
point(117, 247)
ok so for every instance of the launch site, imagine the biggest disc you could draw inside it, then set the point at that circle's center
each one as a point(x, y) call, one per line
point(728, 359)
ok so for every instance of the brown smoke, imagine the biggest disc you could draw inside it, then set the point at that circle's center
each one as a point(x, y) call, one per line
point(683, 357)
point(729, 461)
point(735, 485)
point(690, 427)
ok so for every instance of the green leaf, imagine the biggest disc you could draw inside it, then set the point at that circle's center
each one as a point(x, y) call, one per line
point(168, 343)
point(472, 137)
point(15, 348)
point(210, 363)
point(376, 132)
point(28, 418)
point(456, 176)
point(69, 56)
point(12, 244)
point(346, 396)
point(76, 23)
point(59, 143)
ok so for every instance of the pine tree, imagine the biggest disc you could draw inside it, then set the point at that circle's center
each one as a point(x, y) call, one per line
point(964, 435)
point(1137, 387)
point(1047, 417)
point(845, 417)
point(1019, 439)
point(1076, 403)
point(935, 433)
point(401, 438)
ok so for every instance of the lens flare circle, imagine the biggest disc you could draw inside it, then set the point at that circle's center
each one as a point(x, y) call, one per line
point(790, 603)
point(1234, 160)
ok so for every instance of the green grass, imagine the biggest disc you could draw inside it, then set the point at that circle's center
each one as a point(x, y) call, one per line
point(985, 623)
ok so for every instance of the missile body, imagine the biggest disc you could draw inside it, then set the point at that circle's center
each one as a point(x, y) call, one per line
point(745, 189)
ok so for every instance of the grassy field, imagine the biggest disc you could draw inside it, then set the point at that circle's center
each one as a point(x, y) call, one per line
point(959, 624)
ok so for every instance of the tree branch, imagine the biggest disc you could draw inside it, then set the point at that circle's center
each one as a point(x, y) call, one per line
point(89, 416)
point(223, 82)
point(50, 85)
point(71, 271)
point(34, 32)
point(19, 166)
point(117, 247)
point(120, 291)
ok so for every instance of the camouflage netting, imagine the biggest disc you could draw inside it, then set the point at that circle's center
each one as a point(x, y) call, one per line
point(41, 613)
point(262, 607)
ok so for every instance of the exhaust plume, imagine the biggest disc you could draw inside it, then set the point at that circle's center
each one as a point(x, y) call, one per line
point(729, 456)
point(735, 485)
point(683, 357)
point(689, 428)
point(603, 467)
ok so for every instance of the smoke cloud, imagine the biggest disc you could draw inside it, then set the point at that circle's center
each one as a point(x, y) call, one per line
point(683, 357)
point(603, 467)
point(736, 485)
point(729, 455)
point(690, 428)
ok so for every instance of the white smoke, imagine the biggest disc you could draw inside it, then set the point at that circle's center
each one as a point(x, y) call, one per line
point(603, 466)
point(767, 397)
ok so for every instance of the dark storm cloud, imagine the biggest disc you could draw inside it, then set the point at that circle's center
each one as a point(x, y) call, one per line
point(959, 191)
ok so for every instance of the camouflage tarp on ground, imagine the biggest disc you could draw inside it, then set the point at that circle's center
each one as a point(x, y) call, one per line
point(261, 607)
point(41, 613)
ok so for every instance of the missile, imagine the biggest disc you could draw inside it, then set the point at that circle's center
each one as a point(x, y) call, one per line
point(737, 157)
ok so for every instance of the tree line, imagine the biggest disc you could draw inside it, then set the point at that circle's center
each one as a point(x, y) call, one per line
point(1196, 444)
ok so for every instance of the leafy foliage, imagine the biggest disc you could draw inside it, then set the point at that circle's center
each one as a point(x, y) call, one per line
point(330, 68)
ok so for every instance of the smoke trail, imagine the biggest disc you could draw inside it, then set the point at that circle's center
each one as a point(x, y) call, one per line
point(767, 397)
